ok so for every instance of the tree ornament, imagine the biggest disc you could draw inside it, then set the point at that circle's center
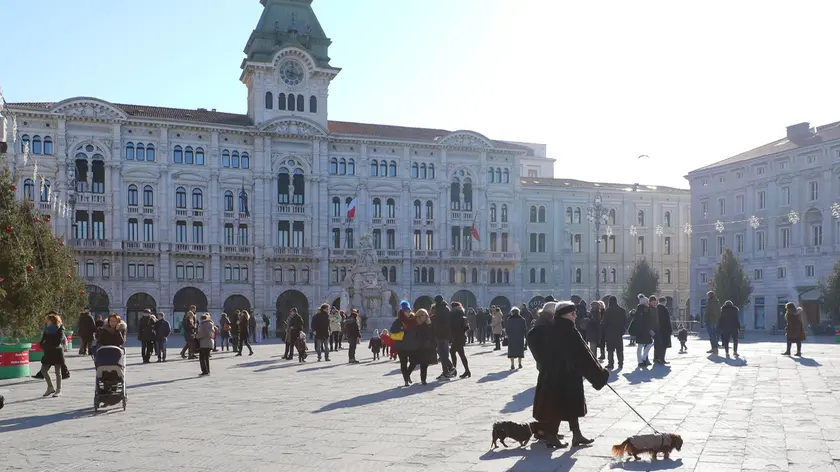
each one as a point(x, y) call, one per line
point(755, 222)
point(14, 187)
point(29, 268)
point(9, 229)
point(36, 219)
point(687, 228)
point(793, 217)
point(55, 250)
point(719, 226)
point(835, 210)
point(633, 230)
point(68, 276)
point(658, 230)
point(47, 219)
point(61, 244)
point(81, 292)
point(609, 231)
point(2, 279)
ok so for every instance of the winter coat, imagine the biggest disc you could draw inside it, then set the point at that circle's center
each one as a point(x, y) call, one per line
point(459, 327)
point(335, 322)
point(712, 311)
point(593, 326)
point(226, 325)
point(472, 319)
point(442, 322)
point(582, 314)
point(663, 327)
point(107, 336)
point(538, 339)
point(244, 325)
point(146, 328)
point(517, 328)
point(795, 329)
point(729, 321)
point(682, 335)
point(615, 323)
point(496, 323)
point(375, 345)
point(188, 328)
point(295, 325)
point(162, 329)
point(51, 340)
point(559, 394)
point(87, 326)
point(252, 324)
point(351, 327)
point(204, 335)
point(321, 324)
point(426, 345)
point(526, 314)
point(234, 325)
point(642, 325)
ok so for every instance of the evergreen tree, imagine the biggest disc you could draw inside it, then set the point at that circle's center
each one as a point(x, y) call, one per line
point(643, 279)
point(37, 270)
point(830, 289)
point(730, 282)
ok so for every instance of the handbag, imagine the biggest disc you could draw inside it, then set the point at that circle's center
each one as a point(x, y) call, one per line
point(505, 342)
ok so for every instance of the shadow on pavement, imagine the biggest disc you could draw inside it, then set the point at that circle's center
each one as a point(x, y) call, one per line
point(647, 374)
point(807, 362)
point(371, 398)
point(30, 422)
point(393, 372)
point(495, 376)
point(643, 465)
point(739, 362)
point(158, 382)
point(328, 366)
point(254, 363)
point(534, 457)
point(520, 401)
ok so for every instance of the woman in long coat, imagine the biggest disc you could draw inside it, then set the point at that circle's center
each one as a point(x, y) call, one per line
point(496, 327)
point(517, 328)
point(795, 328)
point(53, 352)
point(559, 394)
point(642, 329)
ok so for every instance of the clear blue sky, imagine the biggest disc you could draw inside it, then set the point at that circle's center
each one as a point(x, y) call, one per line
point(599, 82)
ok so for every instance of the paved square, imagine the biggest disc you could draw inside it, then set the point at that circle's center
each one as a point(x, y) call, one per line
point(261, 413)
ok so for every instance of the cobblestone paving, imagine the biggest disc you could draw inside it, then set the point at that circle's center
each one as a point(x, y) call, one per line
point(764, 412)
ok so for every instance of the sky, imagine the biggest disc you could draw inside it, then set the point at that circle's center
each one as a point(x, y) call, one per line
point(686, 83)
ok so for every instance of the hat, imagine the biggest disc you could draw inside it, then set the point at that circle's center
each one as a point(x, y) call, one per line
point(405, 305)
point(147, 311)
point(643, 300)
point(548, 308)
point(549, 299)
point(565, 307)
point(439, 299)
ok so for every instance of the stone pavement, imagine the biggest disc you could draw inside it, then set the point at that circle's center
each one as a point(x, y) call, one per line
point(762, 413)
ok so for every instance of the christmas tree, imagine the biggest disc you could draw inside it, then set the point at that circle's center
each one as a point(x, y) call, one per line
point(830, 289)
point(643, 280)
point(729, 281)
point(37, 269)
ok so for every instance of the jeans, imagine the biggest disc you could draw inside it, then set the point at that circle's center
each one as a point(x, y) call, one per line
point(243, 341)
point(334, 336)
point(322, 346)
point(146, 350)
point(161, 349)
point(45, 371)
point(459, 350)
point(443, 356)
point(713, 335)
point(617, 347)
point(204, 359)
point(497, 338)
point(352, 353)
point(642, 351)
point(226, 341)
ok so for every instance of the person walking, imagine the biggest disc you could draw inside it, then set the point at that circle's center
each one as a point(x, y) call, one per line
point(375, 344)
point(795, 330)
point(641, 329)
point(472, 323)
point(496, 328)
point(321, 327)
point(593, 326)
point(146, 335)
point(244, 334)
point(162, 332)
point(442, 325)
point(204, 335)
point(712, 317)
point(87, 328)
point(664, 331)
point(615, 322)
point(405, 341)
point(335, 329)
point(266, 323)
point(526, 314)
point(226, 325)
point(252, 328)
point(188, 327)
point(53, 352)
point(426, 342)
point(559, 395)
point(460, 326)
point(294, 326)
point(729, 325)
point(517, 329)
point(112, 333)
point(354, 335)
point(538, 335)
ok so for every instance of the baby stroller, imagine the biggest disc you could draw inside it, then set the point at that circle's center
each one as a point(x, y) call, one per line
point(110, 377)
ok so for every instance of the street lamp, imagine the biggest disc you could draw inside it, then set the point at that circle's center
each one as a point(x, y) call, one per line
point(597, 214)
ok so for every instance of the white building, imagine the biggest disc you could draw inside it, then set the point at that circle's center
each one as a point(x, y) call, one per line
point(158, 220)
point(789, 186)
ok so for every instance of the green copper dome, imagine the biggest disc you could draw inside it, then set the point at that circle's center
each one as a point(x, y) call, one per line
point(287, 23)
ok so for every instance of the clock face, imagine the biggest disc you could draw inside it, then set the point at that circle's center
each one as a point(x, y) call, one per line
point(291, 72)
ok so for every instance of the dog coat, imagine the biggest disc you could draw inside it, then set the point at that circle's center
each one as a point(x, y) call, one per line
point(647, 442)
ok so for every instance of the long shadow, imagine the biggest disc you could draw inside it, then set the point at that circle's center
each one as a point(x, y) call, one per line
point(158, 382)
point(643, 465)
point(646, 375)
point(371, 398)
point(496, 376)
point(393, 372)
point(483, 353)
point(734, 362)
point(807, 362)
point(533, 457)
point(246, 365)
point(22, 382)
point(313, 369)
point(30, 422)
point(520, 401)
point(275, 367)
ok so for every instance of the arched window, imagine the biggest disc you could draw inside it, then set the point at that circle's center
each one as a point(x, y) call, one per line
point(667, 276)
point(492, 212)
point(148, 196)
point(385, 272)
point(506, 176)
point(392, 274)
point(24, 141)
point(504, 213)
point(225, 158)
point(300, 187)
point(533, 214)
point(462, 275)
point(577, 215)
point(342, 166)
point(228, 200)
point(343, 273)
point(392, 208)
point(491, 176)
point(474, 276)
point(284, 180)
point(246, 161)
point(569, 215)
point(541, 217)
point(603, 275)
point(467, 191)
point(417, 275)
point(199, 156)
point(452, 275)
point(498, 175)
point(533, 278)
point(377, 208)
point(431, 275)
point(336, 207)
point(542, 276)
point(612, 275)
point(304, 274)
point(28, 190)
point(36, 145)
point(129, 151)
point(48, 145)
point(269, 100)
point(300, 103)
point(132, 195)
point(418, 210)
point(430, 210)
point(431, 173)
point(313, 104)
point(392, 169)
point(292, 274)
point(45, 191)
point(281, 101)
point(243, 203)
point(234, 160)
point(455, 194)
point(415, 171)
point(334, 166)
point(351, 167)
point(667, 219)
point(507, 276)
point(140, 152)
point(383, 168)
point(150, 152)
point(188, 155)
point(178, 155)
point(578, 276)
point(374, 168)
point(291, 102)
point(492, 276)
point(197, 199)
point(641, 218)
point(180, 198)
point(611, 216)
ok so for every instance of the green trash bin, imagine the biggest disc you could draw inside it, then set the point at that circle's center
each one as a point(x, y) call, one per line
point(14, 360)
point(35, 351)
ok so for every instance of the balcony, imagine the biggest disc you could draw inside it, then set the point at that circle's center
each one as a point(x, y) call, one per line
point(132, 210)
point(229, 215)
point(390, 222)
point(504, 256)
point(198, 213)
point(389, 254)
point(148, 210)
point(87, 198)
point(343, 253)
point(45, 206)
point(815, 250)
point(243, 250)
point(466, 254)
point(376, 221)
point(462, 215)
point(186, 248)
point(294, 252)
point(418, 222)
point(180, 212)
point(287, 209)
point(418, 254)
point(140, 246)
point(91, 243)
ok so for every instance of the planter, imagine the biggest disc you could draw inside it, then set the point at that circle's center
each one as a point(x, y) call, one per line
point(14, 360)
point(741, 333)
point(70, 337)
point(35, 351)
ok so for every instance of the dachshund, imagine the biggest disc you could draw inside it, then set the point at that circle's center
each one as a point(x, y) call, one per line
point(508, 429)
point(650, 443)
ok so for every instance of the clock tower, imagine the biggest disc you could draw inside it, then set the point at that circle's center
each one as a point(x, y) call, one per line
point(287, 69)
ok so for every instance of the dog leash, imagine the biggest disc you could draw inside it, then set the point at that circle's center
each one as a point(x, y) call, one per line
point(634, 410)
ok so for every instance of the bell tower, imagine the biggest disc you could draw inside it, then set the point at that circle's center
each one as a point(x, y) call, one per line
point(287, 67)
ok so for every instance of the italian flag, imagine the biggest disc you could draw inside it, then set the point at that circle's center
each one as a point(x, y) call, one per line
point(351, 209)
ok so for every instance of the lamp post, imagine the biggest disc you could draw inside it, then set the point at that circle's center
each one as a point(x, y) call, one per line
point(597, 214)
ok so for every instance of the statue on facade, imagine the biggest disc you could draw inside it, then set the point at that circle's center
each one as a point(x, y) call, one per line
point(367, 288)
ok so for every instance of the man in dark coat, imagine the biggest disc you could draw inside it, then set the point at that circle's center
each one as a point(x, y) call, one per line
point(615, 322)
point(712, 317)
point(442, 325)
point(537, 336)
point(87, 328)
point(729, 326)
point(482, 321)
point(252, 327)
point(582, 314)
point(321, 327)
point(146, 335)
point(526, 315)
point(559, 395)
point(642, 329)
point(460, 326)
point(663, 332)
point(516, 330)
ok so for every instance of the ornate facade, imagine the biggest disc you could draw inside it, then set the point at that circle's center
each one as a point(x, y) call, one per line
point(171, 207)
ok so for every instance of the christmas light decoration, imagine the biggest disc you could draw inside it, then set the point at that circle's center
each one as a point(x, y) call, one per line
point(754, 222)
point(793, 217)
point(633, 230)
point(719, 226)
